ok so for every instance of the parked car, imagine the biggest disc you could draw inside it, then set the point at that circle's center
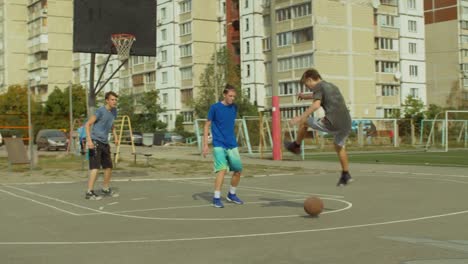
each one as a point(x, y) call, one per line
point(51, 139)
point(137, 139)
point(173, 137)
point(1, 140)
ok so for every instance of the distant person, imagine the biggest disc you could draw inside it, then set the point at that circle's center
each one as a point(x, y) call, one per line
point(337, 120)
point(98, 145)
point(222, 117)
point(81, 131)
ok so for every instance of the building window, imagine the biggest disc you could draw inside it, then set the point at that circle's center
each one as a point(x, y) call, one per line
point(302, 35)
point(283, 14)
point(164, 77)
point(163, 13)
point(384, 43)
point(464, 24)
point(185, 28)
point(414, 92)
point(185, 6)
point(465, 52)
point(413, 70)
point(188, 117)
point(186, 50)
point(186, 95)
point(284, 39)
point(290, 88)
point(465, 82)
point(302, 10)
point(389, 112)
point(247, 47)
point(411, 4)
point(165, 98)
point(389, 90)
point(387, 21)
point(412, 26)
point(186, 73)
point(150, 77)
point(163, 34)
point(412, 48)
point(266, 44)
point(164, 55)
point(246, 4)
point(246, 24)
point(248, 70)
point(386, 66)
point(137, 79)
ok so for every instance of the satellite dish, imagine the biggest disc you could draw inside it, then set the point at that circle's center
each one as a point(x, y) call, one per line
point(375, 3)
point(397, 75)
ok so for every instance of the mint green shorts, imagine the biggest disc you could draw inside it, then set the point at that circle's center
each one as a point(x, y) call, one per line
point(227, 159)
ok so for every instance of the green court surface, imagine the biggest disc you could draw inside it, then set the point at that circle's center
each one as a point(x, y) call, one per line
point(389, 214)
point(453, 158)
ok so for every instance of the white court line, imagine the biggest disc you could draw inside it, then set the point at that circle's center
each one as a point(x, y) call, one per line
point(112, 203)
point(101, 212)
point(41, 203)
point(192, 206)
point(232, 236)
point(268, 190)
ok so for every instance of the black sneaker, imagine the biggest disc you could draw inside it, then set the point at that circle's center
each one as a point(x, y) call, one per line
point(293, 147)
point(109, 193)
point(344, 179)
point(91, 195)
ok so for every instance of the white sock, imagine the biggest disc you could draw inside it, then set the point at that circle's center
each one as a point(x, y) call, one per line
point(232, 190)
point(217, 194)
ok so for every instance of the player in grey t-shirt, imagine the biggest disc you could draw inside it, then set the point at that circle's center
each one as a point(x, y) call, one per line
point(337, 120)
point(98, 146)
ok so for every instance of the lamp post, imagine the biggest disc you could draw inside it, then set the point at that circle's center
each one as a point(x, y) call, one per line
point(37, 79)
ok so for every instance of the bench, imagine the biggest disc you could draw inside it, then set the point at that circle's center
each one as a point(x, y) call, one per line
point(146, 155)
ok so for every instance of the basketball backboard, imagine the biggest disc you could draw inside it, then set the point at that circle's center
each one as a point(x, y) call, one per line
point(95, 21)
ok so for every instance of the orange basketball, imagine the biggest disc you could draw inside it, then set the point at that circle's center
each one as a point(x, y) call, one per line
point(313, 206)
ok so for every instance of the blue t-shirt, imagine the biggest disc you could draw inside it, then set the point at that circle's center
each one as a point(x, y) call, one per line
point(223, 119)
point(103, 125)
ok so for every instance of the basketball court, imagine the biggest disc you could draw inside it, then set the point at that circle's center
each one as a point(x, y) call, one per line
point(390, 214)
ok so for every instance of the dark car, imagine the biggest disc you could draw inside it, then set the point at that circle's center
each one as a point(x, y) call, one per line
point(173, 137)
point(51, 139)
point(137, 139)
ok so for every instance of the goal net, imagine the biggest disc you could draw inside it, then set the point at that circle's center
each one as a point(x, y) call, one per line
point(448, 131)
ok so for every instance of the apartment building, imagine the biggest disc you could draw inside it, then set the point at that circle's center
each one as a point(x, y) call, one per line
point(188, 35)
point(13, 39)
point(81, 72)
point(447, 52)
point(50, 57)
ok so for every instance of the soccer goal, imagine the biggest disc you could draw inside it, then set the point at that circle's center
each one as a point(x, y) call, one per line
point(448, 131)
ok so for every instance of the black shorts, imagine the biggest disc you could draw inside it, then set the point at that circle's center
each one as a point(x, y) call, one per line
point(100, 156)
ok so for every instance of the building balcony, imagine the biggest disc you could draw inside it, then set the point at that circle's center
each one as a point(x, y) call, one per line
point(387, 32)
point(38, 31)
point(388, 100)
point(387, 55)
point(37, 65)
point(41, 47)
point(389, 78)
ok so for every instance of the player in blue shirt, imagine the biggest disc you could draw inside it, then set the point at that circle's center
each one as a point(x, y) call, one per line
point(222, 118)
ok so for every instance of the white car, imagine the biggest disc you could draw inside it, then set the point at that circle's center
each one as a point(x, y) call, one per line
point(1, 140)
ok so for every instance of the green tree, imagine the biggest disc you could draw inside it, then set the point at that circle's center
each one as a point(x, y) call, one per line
point(413, 108)
point(144, 115)
point(433, 110)
point(212, 82)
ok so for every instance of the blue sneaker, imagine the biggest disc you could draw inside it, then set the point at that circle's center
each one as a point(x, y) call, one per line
point(217, 203)
point(233, 198)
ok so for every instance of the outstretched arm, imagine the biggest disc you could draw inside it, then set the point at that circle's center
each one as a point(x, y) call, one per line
point(302, 118)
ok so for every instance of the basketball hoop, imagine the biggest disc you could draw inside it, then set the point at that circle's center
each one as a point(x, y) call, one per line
point(123, 43)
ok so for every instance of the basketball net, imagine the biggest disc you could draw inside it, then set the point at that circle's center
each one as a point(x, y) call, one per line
point(123, 43)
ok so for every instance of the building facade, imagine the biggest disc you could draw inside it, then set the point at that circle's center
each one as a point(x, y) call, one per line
point(447, 52)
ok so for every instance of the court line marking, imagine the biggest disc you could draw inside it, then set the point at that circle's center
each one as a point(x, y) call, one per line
point(101, 212)
point(233, 236)
point(212, 177)
point(268, 190)
point(198, 206)
point(41, 203)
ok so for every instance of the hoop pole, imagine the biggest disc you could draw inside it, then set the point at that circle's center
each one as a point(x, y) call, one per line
point(112, 75)
point(446, 131)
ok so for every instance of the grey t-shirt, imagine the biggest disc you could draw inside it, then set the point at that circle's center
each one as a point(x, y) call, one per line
point(103, 125)
point(334, 105)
